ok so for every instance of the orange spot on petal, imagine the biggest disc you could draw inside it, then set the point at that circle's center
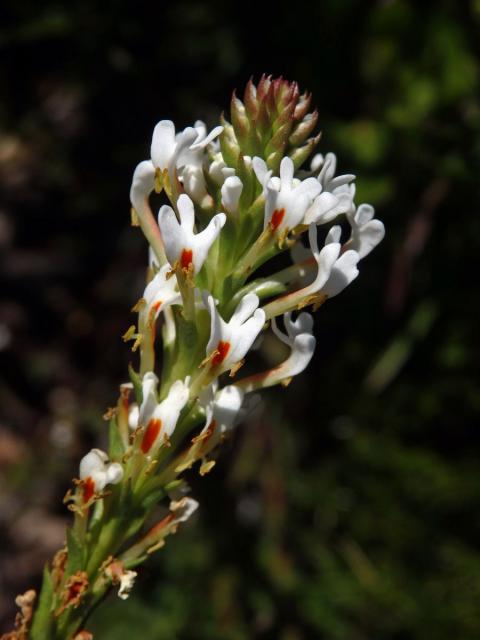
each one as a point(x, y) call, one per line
point(277, 217)
point(186, 258)
point(88, 489)
point(156, 305)
point(222, 351)
point(150, 435)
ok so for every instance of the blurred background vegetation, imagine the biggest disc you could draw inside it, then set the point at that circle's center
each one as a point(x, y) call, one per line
point(350, 508)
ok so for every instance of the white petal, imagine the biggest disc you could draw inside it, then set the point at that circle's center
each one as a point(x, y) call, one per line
point(186, 212)
point(343, 273)
point(227, 404)
point(173, 236)
point(163, 144)
point(364, 214)
point(231, 192)
point(244, 337)
point(261, 170)
point(369, 237)
point(316, 162)
point(203, 241)
point(150, 398)
point(245, 308)
point(202, 143)
point(303, 324)
point(142, 185)
point(92, 463)
point(114, 473)
point(168, 411)
point(310, 186)
point(286, 171)
point(217, 325)
point(334, 234)
point(302, 352)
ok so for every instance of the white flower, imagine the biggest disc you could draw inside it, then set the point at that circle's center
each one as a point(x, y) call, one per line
point(335, 271)
point(222, 411)
point(159, 293)
point(337, 193)
point(327, 177)
point(160, 419)
point(223, 408)
point(367, 232)
point(302, 344)
point(97, 471)
point(218, 169)
point(303, 324)
point(287, 199)
point(183, 247)
point(231, 192)
point(230, 341)
point(183, 153)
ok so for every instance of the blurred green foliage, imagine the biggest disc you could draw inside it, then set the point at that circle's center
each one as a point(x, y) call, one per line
point(350, 508)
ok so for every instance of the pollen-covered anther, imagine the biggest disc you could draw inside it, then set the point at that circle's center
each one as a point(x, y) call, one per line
point(139, 305)
point(134, 221)
point(206, 467)
point(110, 413)
point(130, 333)
point(236, 367)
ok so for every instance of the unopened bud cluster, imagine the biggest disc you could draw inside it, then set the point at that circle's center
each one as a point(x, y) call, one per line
point(234, 198)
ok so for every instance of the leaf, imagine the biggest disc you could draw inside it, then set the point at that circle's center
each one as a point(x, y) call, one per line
point(115, 443)
point(75, 553)
point(42, 620)
point(137, 384)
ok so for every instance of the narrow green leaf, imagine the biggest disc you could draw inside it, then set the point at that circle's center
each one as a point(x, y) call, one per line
point(115, 443)
point(137, 384)
point(75, 553)
point(42, 619)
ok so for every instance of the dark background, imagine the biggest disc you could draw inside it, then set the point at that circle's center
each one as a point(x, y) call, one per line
point(350, 508)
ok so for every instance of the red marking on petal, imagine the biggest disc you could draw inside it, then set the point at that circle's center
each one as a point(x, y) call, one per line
point(186, 258)
point(277, 217)
point(88, 489)
point(150, 435)
point(222, 351)
point(156, 305)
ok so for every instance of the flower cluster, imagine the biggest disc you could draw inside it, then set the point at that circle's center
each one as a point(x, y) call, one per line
point(235, 198)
